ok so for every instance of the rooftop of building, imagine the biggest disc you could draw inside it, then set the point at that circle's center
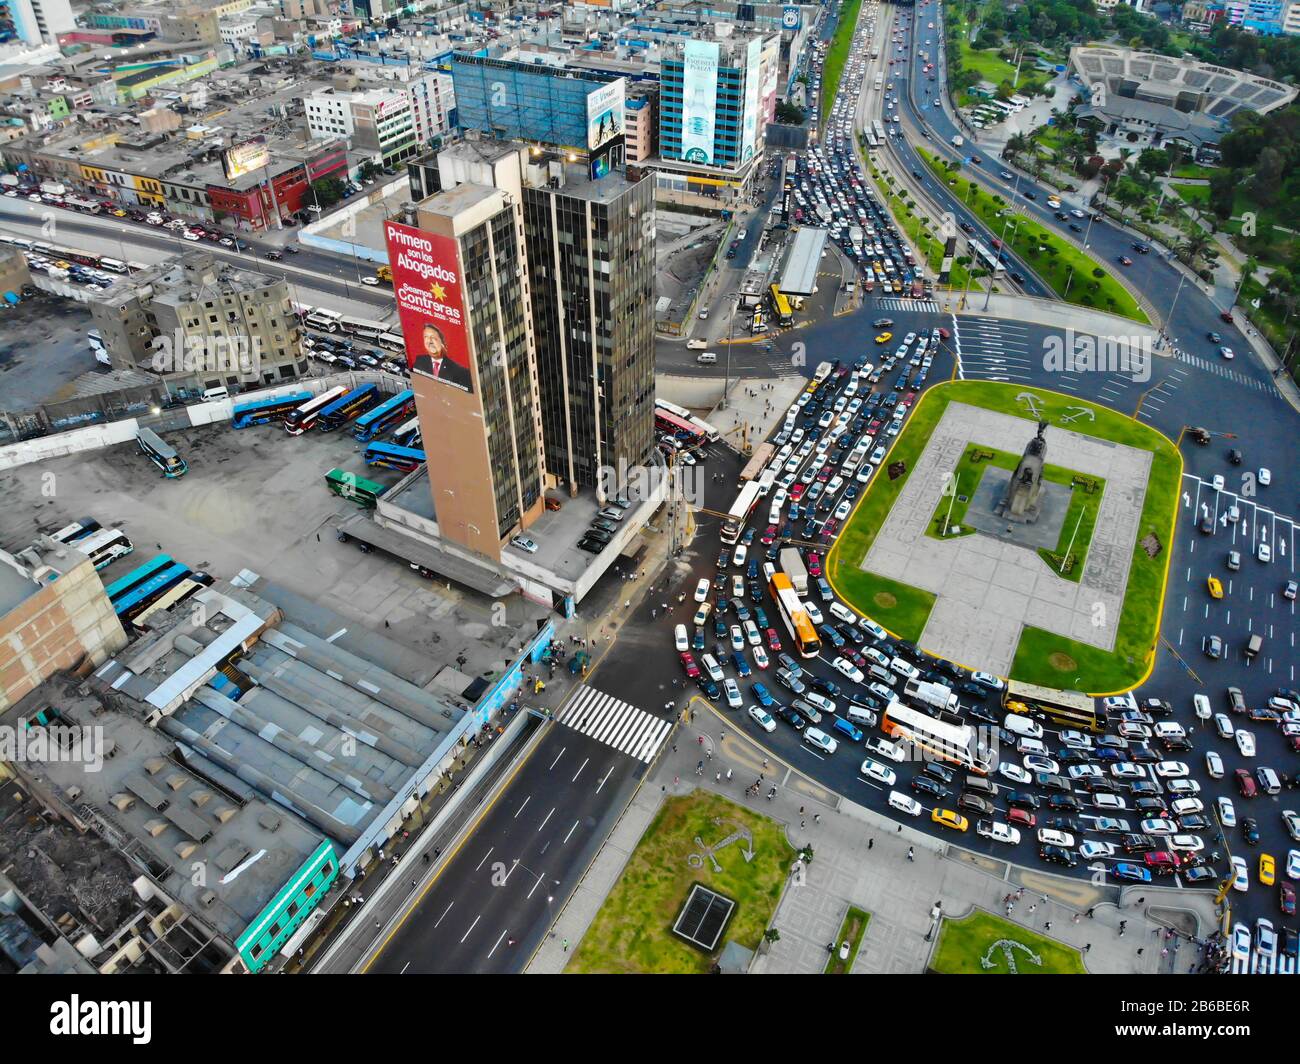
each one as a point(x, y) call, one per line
point(32, 567)
point(189, 276)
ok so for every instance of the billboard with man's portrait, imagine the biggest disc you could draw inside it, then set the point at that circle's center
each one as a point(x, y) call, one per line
point(428, 285)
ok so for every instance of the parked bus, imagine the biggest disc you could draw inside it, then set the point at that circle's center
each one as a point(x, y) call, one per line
point(298, 421)
point(264, 410)
point(105, 546)
point(740, 510)
point(362, 329)
point(709, 432)
point(390, 456)
point(757, 462)
point(77, 530)
point(137, 600)
point(797, 621)
point(408, 434)
point(780, 307)
point(364, 493)
point(985, 257)
point(938, 739)
point(384, 416)
point(172, 597)
point(138, 576)
point(343, 410)
point(320, 318)
point(1069, 709)
point(161, 454)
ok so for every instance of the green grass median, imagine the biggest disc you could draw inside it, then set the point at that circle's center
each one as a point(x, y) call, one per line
point(1041, 657)
point(1073, 274)
point(984, 944)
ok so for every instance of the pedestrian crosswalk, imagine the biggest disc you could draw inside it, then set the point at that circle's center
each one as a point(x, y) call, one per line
point(895, 303)
point(615, 723)
point(1236, 376)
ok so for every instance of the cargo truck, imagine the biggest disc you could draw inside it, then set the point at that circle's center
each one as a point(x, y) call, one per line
point(793, 567)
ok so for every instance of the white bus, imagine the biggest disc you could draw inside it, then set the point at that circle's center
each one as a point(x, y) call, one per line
point(77, 530)
point(938, 739)
point(740, 511)
point(392, 341)
point(363, 329)
point(325, 320)
point(105, 546)
point(299, 421)
point(113, 265)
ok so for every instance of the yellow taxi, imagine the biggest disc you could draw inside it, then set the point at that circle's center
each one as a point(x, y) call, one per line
point(1215, 587)
point(949, 819)
point(884, 338)
point(1267, 869)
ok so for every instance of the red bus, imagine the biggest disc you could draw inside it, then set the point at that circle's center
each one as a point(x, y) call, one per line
point(683, 430)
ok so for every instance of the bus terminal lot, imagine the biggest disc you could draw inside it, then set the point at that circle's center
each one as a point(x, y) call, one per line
point(256, 499)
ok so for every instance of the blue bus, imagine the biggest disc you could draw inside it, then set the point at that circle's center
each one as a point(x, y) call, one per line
point(264, 410)
point(343, 410)
point(408, 434)
point(138, 576)
point(389, 456)
point(133, 602)
point(384, 416)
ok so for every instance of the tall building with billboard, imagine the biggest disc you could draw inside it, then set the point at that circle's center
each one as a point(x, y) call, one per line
point(534, 103)
point(714, 99)
point(461, 283)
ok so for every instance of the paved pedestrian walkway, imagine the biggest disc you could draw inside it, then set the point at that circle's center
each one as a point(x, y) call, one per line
point(891, 870)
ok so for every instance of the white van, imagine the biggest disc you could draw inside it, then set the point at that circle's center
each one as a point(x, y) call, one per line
point(706, 359)
point(680, 639)
point(1017, 724)
point(696, 345)
point(1026, 745)
point(860, 715)
point(212, 395)
point(904, 803)
point(1266, 778)
point(843, 613)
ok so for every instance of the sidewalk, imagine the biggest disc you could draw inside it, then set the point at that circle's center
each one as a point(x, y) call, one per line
point(861, 858)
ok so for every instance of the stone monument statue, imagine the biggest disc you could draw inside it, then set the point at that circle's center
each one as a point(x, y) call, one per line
point(1021, 502)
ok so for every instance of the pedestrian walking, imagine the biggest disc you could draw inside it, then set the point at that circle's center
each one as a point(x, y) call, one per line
point(566, 945)
point(719, 779)
point(1076, 918)
point(1047, 926)
point(870, 843)
point(1140, 950)
point(728, 775)
point(911, 856)
point(1091, 914)
point(1142, 900)
point(801, 810)
point(817, 818)
point(803, 823)
point(1032, 907)
point(1087, 946)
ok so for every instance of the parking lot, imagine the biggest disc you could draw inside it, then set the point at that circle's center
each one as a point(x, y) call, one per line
point(217, 519)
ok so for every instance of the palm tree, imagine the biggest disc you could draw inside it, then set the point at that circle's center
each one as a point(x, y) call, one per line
point(1193, 248)
point(1017, 145)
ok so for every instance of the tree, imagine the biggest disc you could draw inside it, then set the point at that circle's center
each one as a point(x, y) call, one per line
point(327, 192)
point(1223, 192)
point(789, 114)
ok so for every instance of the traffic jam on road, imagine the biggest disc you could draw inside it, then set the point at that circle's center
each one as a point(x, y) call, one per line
point(826, 186)
point(1114, 794)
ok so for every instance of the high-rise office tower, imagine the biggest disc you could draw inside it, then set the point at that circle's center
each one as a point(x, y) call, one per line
point(591, 250)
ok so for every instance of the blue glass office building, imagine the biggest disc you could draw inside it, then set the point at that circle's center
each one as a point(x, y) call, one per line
point(703, 92)
point(523, 101)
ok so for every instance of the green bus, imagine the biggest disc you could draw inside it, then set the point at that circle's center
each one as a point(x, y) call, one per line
point(357, 489)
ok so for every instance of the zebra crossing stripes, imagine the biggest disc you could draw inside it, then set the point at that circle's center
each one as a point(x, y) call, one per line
point(895, 303)
point(615, 723)
point(1236, 376)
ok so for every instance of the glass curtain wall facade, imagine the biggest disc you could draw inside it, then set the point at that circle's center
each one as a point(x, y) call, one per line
point(591, 266)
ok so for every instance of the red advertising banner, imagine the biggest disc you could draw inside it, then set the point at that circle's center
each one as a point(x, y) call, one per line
point(427, 284)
